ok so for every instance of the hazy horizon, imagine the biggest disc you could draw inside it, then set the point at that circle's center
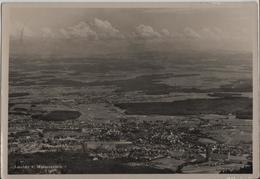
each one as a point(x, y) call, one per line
point(209, 27)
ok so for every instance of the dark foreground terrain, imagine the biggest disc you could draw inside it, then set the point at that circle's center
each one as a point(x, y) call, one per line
point(143, 112)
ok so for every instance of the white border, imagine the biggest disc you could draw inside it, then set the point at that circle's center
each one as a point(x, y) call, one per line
point(123, 1)
point(6, 4)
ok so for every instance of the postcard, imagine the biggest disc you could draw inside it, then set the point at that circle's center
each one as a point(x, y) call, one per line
point(130, 90)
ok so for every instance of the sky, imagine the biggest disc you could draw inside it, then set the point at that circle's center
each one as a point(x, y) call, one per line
point(219, 26)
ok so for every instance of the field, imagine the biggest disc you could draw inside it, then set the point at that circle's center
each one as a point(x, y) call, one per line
point(177, 109)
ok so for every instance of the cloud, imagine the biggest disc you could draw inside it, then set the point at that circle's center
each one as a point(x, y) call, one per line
point(100, 29)
point(105, 29)
point(148, 32)
point(47, 33)
point(166, 32)
point(96, 30)
point(145, 31)
point(173, 34)
point(190, 33)
point(80, 30)
point(64, 33)
point(211, 33)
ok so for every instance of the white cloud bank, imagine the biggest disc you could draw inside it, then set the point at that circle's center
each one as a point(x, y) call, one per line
point(95, 30)
point(47, 33)
point(98, 29)
point(80, 30)
point(106, 30)
point(148, 32)
point(145, 31)
point(190, 33)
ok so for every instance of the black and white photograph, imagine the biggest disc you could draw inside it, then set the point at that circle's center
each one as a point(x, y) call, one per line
point(131, 90)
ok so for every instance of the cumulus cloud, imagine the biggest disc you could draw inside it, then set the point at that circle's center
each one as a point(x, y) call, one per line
point(105, 29)
point(80, 30)
point(64, 33)
point(47, 33)
point(145, 31)
point(190, 33)
point(100, 29)
point(173, 34)
point(211, 33)
point(97, 29)
point(166, 32)
point(148, 32)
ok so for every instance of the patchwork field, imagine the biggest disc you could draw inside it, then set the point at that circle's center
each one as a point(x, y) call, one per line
point(174, 112)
